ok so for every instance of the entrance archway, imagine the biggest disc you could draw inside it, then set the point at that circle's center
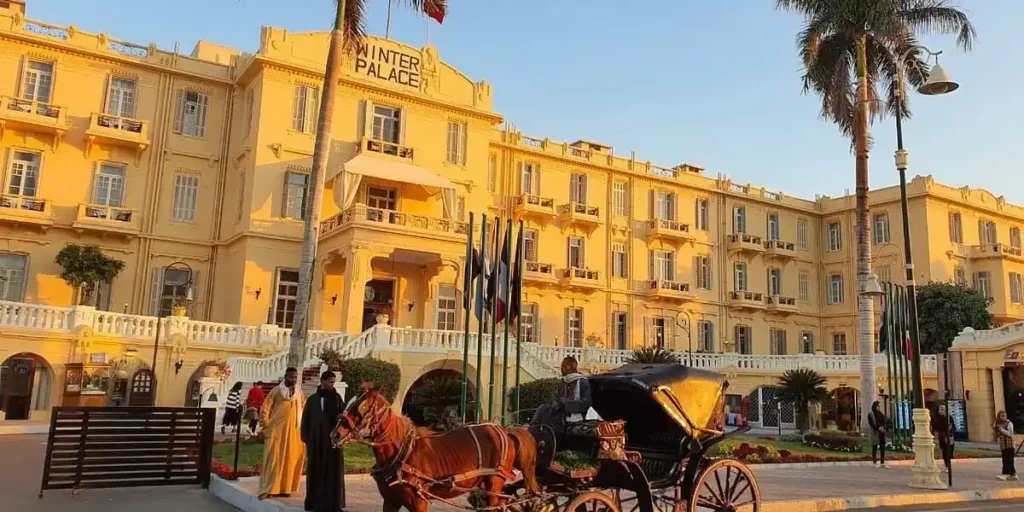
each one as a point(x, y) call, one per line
point(126, 369)
point(194, 392)
point(435, 396)
point(379, 298)
point(140, 393)
point(25, 380)
point(764, 409)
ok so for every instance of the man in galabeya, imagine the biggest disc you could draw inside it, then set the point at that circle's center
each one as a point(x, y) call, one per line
point(283, 450)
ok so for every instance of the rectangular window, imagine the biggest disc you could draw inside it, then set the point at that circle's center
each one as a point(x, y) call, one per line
point(121, 97)
point(458, 134)
point(174, 285)
point(778, 341)
point(186, 194)
point(620, 330)
point(705, 336)
point(304, 109)
point(804, 286)
point(108, 188)
point(619, 197)
point(285, 298)
point(1015, 237)
point(492, 173)
point(987, 232)
point(574, 327)
point(575, 252)
point(739, 271)
point(835, 289)
point(662, 265)
point(530, 324)
point(835, 237)
point(190, 118)
point(663, 205)
point(881, 228)
point(620, 268)
point(37, 81)
point(774, 281)
point(839, 343)
point(959, 276)
point(12, 276)
point(578, 188)
point(773, 226)
point(983, 283)
point(23, 174)
point(702, 268)
point(446, 306)
point(885, 274)
point(702, 214)
point(381, 198)
point(659, 332)
point(530, 237)
point(1015, 288)
point(387, 124)
point(296, 186)
point(806, 342)
point(744, 337)
point(801, 234)
point(529, 180)
point(956, 228)
point(739, 220)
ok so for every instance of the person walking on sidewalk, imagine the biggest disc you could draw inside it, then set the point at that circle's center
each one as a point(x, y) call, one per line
point(1004, 436)
point(876, 434)
point(253, 403)
point(232, 409)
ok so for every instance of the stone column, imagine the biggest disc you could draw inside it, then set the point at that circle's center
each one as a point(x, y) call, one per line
point(926, 472)
point(357, 272)
point(998, 393)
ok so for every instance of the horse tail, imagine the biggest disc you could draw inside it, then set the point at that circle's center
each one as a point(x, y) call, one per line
point(526, 456)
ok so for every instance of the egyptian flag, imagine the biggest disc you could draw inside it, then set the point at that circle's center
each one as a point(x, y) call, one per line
point(515, 307)
point(503, 271)
point(436, 9)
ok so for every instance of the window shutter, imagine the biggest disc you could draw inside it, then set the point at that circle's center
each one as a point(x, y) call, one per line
point(568, 252)
point(313, 110)
point(156, 278)
point(981, 231)
point(565, 315)
point(367, 119)
point(194, 286)
point(695, 263)
point(536, 180)
point(403, 114)
point(535, 311)
point(648, 330)
point(179, 107)
point(519, 169)
point(106, 96)
point(652, 271)
point(672, 205)
point(204, 102)
point(652, 210)
point(297, 109)
point(284, 194)
point(670, 339)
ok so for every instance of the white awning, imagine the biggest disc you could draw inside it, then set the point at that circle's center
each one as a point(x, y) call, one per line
point(387, 169)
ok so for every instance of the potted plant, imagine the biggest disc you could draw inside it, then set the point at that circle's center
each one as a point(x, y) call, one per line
point(179, 307)
point(84, 267)
point(383, 316)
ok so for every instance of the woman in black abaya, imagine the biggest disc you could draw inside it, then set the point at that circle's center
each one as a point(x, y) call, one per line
point(325, 465)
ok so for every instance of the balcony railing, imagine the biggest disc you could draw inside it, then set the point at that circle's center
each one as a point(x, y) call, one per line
point(36, 108)
point(31, 204)
point(535, 269)
point(995, 250)
point(104, 212)
point(578, 209)
point(361, 214)
point(779, 245)
point(665, 284)
point(747, 298)
point(745, 239)
point(535, 203)
point(584, 274)
point(388, 148)
point(779, 300)
point(126, 124)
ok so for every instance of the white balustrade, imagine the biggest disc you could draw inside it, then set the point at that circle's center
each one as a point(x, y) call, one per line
point(34, 316)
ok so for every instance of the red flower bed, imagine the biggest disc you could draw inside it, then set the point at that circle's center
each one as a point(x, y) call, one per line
point(224, 471)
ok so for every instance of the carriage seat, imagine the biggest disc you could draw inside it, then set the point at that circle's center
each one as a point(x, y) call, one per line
point(602, 439)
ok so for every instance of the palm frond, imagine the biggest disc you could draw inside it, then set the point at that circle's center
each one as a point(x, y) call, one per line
point(829, 73)
point(939, 17)
point(354, 28)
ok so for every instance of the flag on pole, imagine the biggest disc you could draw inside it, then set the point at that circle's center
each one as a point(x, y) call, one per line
point(491, 267)
point(516, 300)
point(436, 9)
point(500, 307)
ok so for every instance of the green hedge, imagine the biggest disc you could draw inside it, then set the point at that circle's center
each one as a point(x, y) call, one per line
point(834, 441)
point(382, 375)
point(535, 394)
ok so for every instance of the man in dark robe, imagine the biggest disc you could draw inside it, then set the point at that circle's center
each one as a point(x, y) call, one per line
point(572, 400)
point(325, 465)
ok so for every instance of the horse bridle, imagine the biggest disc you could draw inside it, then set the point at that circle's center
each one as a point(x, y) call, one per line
point(364, 429)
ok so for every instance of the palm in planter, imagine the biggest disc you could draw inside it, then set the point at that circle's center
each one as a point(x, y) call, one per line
point(652, 355)
point(436, 394)
point(84, 267)
point(802, 387)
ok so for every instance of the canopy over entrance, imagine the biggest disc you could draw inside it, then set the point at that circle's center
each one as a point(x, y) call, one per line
point(352, 172)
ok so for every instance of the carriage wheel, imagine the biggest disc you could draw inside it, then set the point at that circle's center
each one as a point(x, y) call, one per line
point(664, 501)
point(591, 501)
point(726, 486)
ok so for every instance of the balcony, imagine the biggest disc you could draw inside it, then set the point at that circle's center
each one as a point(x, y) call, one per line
point(119, 131)
point(746, 243)
point(529, 205)
point(668, 230)
point(780, 304)
point(22, 210)
point(780, 249)
point(575, 277)
point(539, 273)
point(99, 217)
point(391, 221)
point(995, 251)
point(670, 290)
point(33, 116)
point(387, 148)
point(579, 214)
point(746, 300)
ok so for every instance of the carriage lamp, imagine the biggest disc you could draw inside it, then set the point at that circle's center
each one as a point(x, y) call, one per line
point(177, 366)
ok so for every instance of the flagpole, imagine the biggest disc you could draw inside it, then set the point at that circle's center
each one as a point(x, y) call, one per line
point(508, 309)
point(467, 303)
point(387, 26)
point(520, 253)
point(480, 318)
point(493, 299)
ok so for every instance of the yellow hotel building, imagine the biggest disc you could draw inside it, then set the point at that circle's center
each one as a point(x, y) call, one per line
point(203, 158)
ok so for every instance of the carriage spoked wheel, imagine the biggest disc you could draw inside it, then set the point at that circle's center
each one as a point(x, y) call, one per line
point(591, 501)
point(725, 486)
point(663, 501)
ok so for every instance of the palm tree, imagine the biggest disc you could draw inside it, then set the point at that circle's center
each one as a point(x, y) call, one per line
point(802, 387)
point(652, 355)
point(347, 35)
point(849, 50)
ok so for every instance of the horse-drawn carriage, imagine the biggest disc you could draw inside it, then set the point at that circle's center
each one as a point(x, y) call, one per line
point(648, 452)
point(649, 449)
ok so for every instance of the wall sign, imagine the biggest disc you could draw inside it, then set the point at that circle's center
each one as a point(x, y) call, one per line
point(388, 65)
point(1014, 356)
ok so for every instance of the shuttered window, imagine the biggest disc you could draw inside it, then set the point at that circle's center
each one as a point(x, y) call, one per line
point(304, 109)
point(186, 194)
point(574, 327)
point(190, 115)
point(457, 140)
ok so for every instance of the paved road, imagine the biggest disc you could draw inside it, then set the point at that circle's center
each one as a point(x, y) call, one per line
point(980, 506)
point(21, 464)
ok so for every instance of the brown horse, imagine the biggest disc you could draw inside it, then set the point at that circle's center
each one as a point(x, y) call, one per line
point(415, 466)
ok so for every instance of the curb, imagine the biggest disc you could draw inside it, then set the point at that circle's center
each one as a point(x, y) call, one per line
point(891, 500)
point(853, 463)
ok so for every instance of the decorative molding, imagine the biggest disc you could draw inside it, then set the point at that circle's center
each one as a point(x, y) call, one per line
point(279, 148)
point(211, 159)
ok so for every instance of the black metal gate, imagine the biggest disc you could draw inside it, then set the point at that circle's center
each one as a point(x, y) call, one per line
point(102, 447)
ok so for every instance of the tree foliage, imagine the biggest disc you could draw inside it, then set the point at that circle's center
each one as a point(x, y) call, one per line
point(85, 266)
point(802, 387)
point(535, 394)
point(364, 372)
point(652, 355)
point(945, 309)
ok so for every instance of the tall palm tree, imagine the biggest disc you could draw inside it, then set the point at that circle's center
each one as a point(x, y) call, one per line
point(347, 35)
point(850, 50)
point(802, 387)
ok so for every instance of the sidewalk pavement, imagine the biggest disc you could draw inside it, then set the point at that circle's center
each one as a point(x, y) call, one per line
point(784, 488)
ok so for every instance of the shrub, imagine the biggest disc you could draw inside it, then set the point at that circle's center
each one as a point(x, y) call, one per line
point(792, 438)
point(745, 452)
point(834, 441)
point(378, 375)
point(535, 394)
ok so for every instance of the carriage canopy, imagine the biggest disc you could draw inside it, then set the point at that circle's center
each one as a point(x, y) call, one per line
point(661, 403)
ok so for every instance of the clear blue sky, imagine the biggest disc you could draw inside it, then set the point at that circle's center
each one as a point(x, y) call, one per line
point(715, 84)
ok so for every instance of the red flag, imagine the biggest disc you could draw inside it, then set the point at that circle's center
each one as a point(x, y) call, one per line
point(910, 348)
point(435, 9)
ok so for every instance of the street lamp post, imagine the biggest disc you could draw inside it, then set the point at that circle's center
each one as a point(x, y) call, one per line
point(688, 327)
point(925, 473)
point(177, 265)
